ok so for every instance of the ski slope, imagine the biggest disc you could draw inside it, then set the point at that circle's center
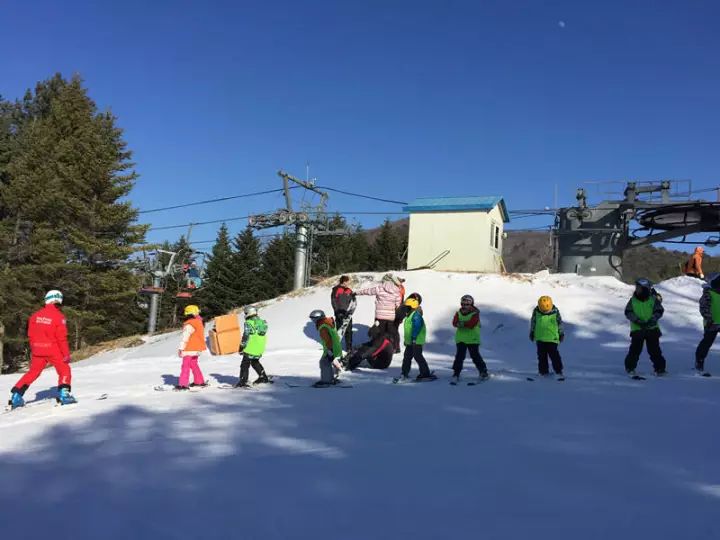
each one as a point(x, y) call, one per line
point(596, 457)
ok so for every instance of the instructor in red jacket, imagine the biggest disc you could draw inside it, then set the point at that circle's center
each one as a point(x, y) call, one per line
point(47, 333)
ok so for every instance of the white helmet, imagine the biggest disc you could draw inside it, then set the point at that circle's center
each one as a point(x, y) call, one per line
point(54, 297)
point(250, 311)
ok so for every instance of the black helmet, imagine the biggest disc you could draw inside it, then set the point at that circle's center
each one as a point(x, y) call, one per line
point(644, 283)
point(416, 296)
point(467, 299)
point(317, 314)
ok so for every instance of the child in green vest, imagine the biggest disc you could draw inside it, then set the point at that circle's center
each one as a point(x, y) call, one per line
point(644, 310)
point(414, 331)
point(546, 330)
point(332, 348)
point(253, 346)
point(710, 311)
point(467, 338)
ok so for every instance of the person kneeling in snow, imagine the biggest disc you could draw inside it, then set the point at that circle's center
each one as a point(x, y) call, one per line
point(546, 330)
point(253, 347)
point(377, 352)
point(414, 334)
point(467, 338)
point(332, 348)
point(644, 310)
point(192, 344)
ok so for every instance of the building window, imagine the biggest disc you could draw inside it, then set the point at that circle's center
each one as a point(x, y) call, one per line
point(494, 235)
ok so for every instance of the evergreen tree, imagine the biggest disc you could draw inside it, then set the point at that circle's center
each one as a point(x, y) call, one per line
point(359, 251)
point(64, 169)
point(278, 266)
point(246, 266)
point(388, 250)
point(219, 295)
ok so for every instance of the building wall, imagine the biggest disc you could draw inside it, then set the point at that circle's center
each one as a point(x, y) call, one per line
point(469, 236)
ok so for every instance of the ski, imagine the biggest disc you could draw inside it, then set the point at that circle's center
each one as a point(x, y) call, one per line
point(638, 378)
point(329, 385)
point(7, 409)
point(171, 388)
point(479, 380)
point(400, 380)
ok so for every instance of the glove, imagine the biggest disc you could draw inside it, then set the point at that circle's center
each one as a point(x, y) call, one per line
point(461, 324)
point(66, 359)
point(180, 354)
point(702, 276)
point(562, 338)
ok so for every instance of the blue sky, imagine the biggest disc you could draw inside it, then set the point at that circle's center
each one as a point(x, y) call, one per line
point(396, 99)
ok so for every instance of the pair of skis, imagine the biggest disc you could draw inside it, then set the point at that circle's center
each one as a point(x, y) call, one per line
point(42, 401)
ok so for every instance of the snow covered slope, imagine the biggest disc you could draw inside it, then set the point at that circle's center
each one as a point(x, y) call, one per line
point(596, 457)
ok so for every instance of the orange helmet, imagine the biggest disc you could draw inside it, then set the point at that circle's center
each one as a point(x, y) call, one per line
point(545, 304)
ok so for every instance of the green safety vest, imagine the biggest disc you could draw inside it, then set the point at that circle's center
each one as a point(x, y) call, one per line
point(336, 345)
point(420, 339)
point(715, 307)
point(469, 336)
point(546, 327)
point(257, 339)
point(643, 310)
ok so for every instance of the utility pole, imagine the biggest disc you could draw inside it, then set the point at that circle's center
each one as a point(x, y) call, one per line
point(305, 225)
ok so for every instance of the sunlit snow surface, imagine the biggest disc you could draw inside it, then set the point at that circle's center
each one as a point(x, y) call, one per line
point(598, 456)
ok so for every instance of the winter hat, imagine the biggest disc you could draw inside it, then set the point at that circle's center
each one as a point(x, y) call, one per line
point(54, 297)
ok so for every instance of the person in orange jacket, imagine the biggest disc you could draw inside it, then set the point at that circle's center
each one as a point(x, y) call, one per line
point(192, 344)
point(693, 266)
point(47, 333)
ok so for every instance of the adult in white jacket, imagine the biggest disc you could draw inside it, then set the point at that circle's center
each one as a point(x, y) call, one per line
point(388, 297)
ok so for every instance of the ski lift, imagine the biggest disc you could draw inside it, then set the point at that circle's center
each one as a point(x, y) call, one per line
point(193, 274)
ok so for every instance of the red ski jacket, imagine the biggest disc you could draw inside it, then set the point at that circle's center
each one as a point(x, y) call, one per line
point(47, 332)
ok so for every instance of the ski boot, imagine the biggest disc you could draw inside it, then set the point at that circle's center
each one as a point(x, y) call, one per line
point(65, 397)
point(484, 376)
point(262, 379)
point(455, 380)
point(423, 378)
point(16, 400)
point(322, 384)
point(242, 384)
point(402, 379)
point(196, 385)
point(661, 373)
point(699, 366)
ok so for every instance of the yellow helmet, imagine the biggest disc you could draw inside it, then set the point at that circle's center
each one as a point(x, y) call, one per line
point(412, 303)
point(545, 304)
point(192, 309)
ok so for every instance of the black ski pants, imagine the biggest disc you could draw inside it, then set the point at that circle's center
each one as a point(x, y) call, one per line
point(703, 347)
point(650, 339)
point(461, 352)
point(340, 317)
point(414, 352)
point(545, 349)
point(248, 361)
point(390, 328)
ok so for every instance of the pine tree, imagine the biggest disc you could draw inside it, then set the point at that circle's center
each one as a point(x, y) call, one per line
point(64, 169)
point(387, 252)
point(219, 295)
point(246, 266)
point(278, 266)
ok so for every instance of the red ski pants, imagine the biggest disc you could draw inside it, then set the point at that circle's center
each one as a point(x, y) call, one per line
point(38, 364)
